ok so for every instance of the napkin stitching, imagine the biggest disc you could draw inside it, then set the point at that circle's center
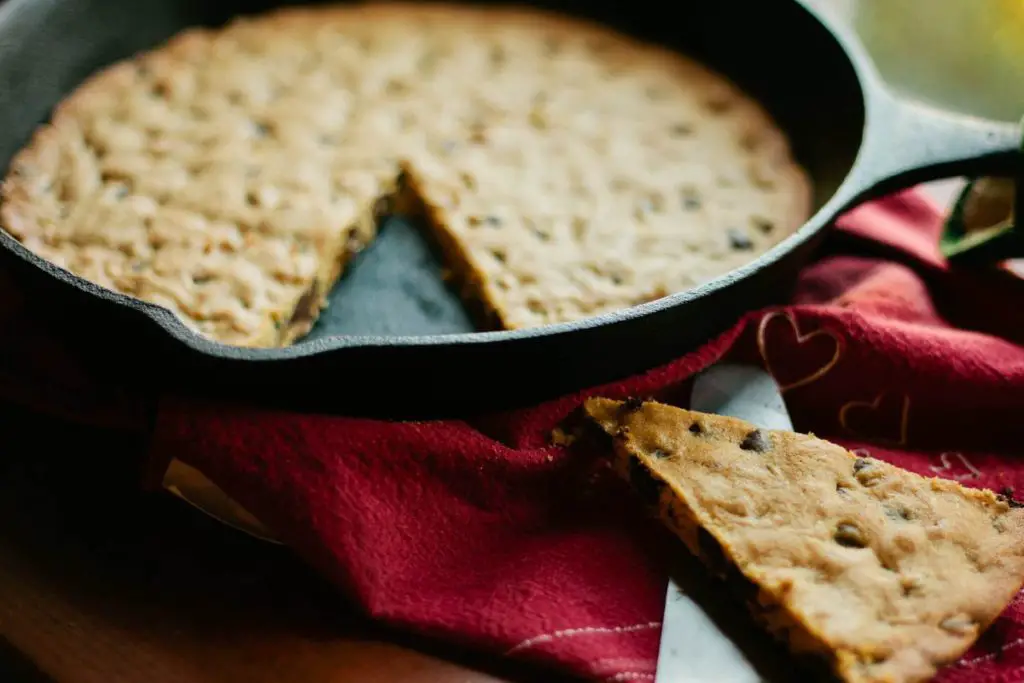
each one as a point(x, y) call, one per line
point(626, 665)
point(630, 676)
point(585, 630)
point(624, 661)
point(967, 663)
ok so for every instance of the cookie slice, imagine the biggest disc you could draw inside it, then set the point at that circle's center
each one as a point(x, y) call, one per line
point(880, 573)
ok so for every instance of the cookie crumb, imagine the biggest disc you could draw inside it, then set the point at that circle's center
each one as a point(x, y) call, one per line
point(757, 441)
point(850, 536)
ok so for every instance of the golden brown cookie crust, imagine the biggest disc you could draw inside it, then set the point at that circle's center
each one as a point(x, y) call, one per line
point(882, 573)
point(566, 170)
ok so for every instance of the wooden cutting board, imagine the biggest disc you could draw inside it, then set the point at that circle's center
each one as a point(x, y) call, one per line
point(100, 583)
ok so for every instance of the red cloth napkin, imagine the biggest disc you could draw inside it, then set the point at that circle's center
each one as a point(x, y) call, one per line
point(481, 533)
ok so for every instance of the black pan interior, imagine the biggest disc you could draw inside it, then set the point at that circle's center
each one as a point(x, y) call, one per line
point(773, 48)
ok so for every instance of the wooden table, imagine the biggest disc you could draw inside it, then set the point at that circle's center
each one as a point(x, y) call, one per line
point(100, 583)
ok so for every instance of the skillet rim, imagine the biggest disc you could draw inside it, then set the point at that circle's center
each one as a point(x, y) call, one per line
point(872, 89)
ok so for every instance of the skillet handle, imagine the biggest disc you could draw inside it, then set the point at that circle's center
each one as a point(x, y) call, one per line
point(911, 143)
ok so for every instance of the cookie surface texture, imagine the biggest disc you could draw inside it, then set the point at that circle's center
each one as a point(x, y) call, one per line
point(565, 170)
point(879, 573)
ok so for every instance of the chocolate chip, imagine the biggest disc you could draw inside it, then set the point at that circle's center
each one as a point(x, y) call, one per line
point(469, 182)
point(696, 428)
point(396, 87)
point(631, 405)
point(756, 441)
point(111, 177)
point(1006, 495)
point(497, 55)
point(691, 200)
point(491, 221)
point(849, 536)
point(900, 513)
point(866, 471)
point(644, 483)
point(738, 240)
point(682, 130)
point(543, 236)
point(909, 586)
point(353, 243)
point(478, 133)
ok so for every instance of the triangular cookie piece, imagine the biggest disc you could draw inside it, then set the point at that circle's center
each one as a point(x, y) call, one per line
point(882, 574)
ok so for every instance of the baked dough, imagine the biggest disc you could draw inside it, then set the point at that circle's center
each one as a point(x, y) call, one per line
point(881, 574)
point(566, 170)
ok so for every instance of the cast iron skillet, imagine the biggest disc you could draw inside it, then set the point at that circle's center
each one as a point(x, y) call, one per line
point(395, 342)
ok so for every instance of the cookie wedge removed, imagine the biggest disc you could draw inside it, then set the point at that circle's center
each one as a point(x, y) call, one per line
point(881, 574)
